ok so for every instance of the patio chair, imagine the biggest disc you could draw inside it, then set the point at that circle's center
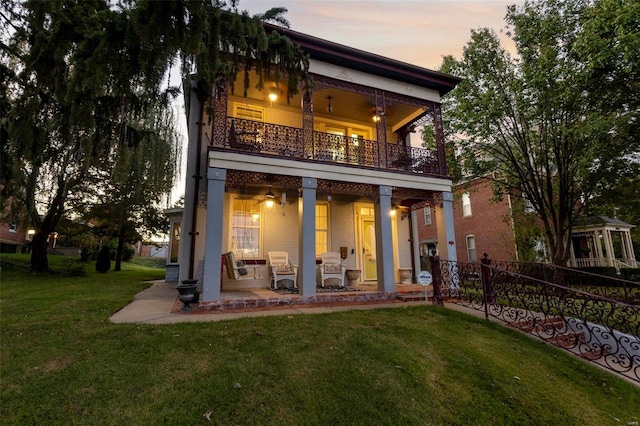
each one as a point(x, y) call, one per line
point(281, 269)
point(331, 268)
point(238, 270)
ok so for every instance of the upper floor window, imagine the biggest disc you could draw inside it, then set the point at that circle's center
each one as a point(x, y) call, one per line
point(466, 204)
point(13, 228)
point(322, 229)
point(246, 230)
point(471, 248)
point(249, 112)
point(427, 215)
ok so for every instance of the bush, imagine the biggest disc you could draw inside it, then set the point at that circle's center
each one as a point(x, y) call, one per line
point(74, 269)
point(607, 271)
point(630, 274)
point(103, 262)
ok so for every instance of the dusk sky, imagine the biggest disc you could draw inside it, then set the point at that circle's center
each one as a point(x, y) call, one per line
point(419, 32)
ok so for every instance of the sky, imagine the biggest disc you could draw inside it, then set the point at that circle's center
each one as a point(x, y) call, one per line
point(419, 32)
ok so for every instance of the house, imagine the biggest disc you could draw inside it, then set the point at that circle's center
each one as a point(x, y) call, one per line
point(324, 172)
point(601, 241)
point(13, 238)
point(482, 224)
point(506, 229)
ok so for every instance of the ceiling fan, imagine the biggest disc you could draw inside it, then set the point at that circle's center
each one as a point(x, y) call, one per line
point(270, 198)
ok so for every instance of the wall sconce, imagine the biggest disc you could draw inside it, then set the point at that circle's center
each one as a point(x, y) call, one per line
point(392, 212)
point(329, 106)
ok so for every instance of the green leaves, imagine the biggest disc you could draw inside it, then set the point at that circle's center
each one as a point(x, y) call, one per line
point(554, 121)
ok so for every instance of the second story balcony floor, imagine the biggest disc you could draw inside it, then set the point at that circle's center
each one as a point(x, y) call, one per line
point(338, 122)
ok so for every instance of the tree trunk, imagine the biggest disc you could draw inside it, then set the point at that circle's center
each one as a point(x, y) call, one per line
point(119, 251)
point(39, 260)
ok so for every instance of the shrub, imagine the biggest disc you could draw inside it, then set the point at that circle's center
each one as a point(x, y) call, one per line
point(630, 274)
point(103, 262)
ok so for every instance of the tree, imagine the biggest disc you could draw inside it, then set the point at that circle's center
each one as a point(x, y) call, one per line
point(81, 72)
point(141, 175)
point(533, 118)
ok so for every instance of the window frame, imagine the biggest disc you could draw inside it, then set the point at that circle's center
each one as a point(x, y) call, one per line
point(427, 212)
point(471, 238)
point(239, 252)
point(326, 231)
point(466, 206)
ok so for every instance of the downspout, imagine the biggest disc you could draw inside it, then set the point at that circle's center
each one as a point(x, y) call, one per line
point(192, 255)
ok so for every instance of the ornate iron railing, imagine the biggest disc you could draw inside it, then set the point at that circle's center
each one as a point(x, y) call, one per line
point(597, 328)
point(605, 286)
point(273, 139)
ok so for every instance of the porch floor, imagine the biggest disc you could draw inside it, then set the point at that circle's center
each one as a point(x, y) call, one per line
point(263, 298)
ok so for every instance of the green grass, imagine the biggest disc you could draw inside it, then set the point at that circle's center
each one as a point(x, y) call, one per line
point(63, 362)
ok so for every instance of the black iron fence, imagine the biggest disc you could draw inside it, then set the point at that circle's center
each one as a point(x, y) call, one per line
point(600, 329)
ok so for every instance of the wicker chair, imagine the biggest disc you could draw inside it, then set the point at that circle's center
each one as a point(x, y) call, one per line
point(281, 269)
point(331, 268)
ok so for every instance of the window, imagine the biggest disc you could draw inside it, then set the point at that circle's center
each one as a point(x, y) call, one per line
point(245, 229)
point(249, 112)
point(175, 242)
point(322, 229)
point(471, 248)
point(427, 215)
point(13, 228)
point(466, 204)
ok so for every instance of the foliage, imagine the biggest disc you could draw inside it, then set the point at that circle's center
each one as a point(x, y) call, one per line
point(81, 76)
point(64, 361)
point(537, 118)
point(103, 261)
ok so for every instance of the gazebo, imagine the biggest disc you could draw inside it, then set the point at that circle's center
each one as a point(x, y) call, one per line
point(602, 241)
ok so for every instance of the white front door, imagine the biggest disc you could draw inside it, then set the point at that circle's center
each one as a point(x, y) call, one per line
point(368, 244)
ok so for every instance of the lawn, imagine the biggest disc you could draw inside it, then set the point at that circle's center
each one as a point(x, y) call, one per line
point(63, 362)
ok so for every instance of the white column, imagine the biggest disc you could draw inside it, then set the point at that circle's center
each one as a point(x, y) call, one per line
point(211, 279)
point(599, 253)
point(384, 242)
point(307, 235)
point(609, 245)
point(190, 198)
point(446, 232)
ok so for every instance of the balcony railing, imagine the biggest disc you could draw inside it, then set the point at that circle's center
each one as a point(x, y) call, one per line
point(273, 139)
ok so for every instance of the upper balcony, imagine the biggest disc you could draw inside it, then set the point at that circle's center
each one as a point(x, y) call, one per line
point(341, 123)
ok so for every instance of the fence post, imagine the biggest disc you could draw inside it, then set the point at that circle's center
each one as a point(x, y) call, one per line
point(437, 278)
point(487, 285)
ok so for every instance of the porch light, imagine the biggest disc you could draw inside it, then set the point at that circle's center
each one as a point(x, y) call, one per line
point(255, 216)
point(269, 203)
point(377, 118)
point(273, 94)
point(392, 212)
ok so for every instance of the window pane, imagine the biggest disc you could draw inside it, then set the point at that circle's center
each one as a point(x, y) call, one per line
point(322, 229)
point(175, 242)
point(245, 229)
point(466, 205)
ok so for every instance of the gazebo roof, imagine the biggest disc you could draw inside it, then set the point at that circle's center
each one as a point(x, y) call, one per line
point(592, 221)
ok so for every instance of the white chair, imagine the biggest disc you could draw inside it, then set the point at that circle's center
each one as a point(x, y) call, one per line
point(331, 268)
point(281, 269)
point(238, 271)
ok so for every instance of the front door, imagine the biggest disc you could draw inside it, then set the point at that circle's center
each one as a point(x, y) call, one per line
point(368, 244)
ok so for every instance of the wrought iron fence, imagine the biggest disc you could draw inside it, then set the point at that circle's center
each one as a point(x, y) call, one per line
point(600, 329)
point(274, 139)
point(611, 287)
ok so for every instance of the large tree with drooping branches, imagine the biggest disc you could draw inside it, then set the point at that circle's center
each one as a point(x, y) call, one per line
point(78, 76)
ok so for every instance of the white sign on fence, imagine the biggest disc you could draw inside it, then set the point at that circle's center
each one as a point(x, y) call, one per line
point(425, 278)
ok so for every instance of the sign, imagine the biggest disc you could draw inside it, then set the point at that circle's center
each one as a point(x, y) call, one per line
point(425, 278)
